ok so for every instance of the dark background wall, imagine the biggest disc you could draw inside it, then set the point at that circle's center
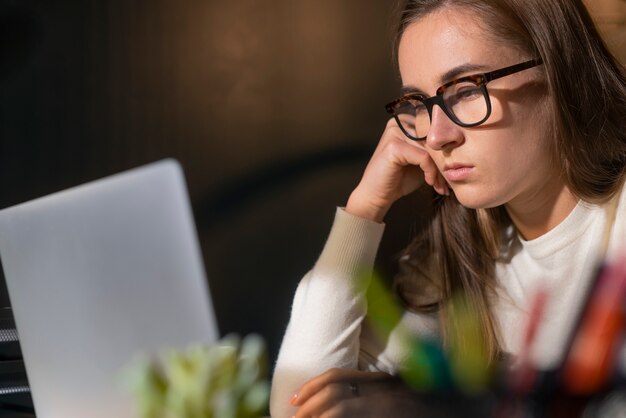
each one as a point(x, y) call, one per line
point(271, 107)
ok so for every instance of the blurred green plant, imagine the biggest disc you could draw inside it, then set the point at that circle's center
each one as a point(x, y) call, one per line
point(225, 380)
point(426, 366)
point(467, 353)
point(463, 365)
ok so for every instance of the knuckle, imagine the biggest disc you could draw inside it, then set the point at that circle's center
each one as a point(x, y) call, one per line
point(327, 376)
point(393, 147)
point(326, 392)
point(392, 130)
point(333, 372)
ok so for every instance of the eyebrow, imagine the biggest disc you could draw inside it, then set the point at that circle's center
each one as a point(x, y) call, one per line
point(449, 75)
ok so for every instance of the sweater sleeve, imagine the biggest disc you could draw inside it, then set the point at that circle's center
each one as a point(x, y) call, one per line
point(327, 311)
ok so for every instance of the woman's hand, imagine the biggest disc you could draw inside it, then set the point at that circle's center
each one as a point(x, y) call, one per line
point(351, 393)
point(398, 167)
point(347, 393)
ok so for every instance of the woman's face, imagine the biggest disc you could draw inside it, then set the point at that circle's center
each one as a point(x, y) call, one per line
point(506, 159)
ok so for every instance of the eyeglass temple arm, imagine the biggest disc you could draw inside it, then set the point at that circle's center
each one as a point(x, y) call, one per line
point(493, 75)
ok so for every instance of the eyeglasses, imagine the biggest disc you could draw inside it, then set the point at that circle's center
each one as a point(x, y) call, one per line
point(465, 101)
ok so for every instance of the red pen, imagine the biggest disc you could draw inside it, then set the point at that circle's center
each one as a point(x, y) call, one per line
point(590, 360)
point(523, 379)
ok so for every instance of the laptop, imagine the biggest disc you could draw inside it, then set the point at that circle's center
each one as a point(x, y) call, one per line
point(98, 274)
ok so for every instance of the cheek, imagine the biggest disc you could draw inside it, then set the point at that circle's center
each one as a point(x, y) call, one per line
point(520, 108)
point(536, 134)
point(506, 110)
point(522, 151)
point(521, 159)
point(525, 130)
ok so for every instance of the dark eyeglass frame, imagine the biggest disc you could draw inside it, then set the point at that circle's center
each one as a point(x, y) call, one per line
point(480, 80)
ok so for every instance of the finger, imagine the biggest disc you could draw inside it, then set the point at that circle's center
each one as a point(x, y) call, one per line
point(394, 161)
point(393, 132)
point(317, 383)
point(314, 385)
point(408, 154)
point(340, 400)
point(334, 375)
point(401, 151)
point(441, 186)
point(445, 187)
point(325, 399)
point(432, 175)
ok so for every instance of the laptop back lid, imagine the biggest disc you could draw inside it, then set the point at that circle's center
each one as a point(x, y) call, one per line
point(97, 274)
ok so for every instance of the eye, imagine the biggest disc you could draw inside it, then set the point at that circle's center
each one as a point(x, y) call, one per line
point(419, 107)
point(411, 106)
point(462, 93)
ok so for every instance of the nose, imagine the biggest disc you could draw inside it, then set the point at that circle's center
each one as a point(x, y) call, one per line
point(443, 133)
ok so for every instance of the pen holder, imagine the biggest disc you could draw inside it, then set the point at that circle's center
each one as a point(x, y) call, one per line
point(550, 398)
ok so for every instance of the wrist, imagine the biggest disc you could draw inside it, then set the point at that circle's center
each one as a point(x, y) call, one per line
point(365, 209)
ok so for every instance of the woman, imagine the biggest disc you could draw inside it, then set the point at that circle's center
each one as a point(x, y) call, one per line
point(514, 113)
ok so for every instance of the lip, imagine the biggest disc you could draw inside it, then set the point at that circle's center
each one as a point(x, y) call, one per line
point(457, 171)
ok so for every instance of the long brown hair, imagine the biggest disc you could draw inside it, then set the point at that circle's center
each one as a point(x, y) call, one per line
point(458, 250)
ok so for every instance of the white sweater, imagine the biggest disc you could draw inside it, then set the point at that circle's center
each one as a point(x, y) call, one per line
point(326, 328)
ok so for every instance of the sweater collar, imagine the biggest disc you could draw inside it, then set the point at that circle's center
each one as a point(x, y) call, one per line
point(562, 235)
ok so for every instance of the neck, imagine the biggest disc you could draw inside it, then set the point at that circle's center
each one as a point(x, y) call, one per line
point(537, 214)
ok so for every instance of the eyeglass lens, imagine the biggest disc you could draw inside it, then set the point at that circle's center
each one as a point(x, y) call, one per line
point(465, 103)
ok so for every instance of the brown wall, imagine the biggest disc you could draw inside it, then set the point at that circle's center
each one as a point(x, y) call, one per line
point(610, 16)
point(272, 107)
